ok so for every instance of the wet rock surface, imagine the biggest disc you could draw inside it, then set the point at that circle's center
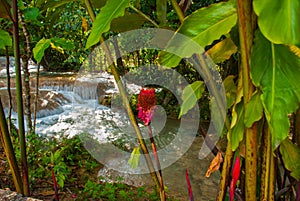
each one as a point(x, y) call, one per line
point(7, 195)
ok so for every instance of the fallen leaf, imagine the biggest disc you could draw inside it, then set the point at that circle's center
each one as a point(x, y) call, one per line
point(215, 164)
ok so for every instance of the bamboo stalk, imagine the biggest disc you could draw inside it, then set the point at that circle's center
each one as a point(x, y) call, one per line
point(9, 151)
point(8, 89)
point(36, 99)
point(245, 22)
point(20, 99)
point(127, 104)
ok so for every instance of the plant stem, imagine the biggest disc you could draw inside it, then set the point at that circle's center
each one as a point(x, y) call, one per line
point(26, 77)
point(19, 98)
point(127, 104)
point(153, 145)
point(9, 151)
point(143, 15)
point(8, 89)
point(36, 99)
point(224, 181)
point(178, 10)
point(245, 22)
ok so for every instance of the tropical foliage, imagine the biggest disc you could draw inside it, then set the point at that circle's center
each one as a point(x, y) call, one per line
point(255, 44)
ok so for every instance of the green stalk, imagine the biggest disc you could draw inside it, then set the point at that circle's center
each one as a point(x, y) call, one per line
point(19, 98)
point(224, 181)
point(267, 169)
point(178, 10)
point(127, 105)
point(9, 151)
point(144, 16)
point(245, 22)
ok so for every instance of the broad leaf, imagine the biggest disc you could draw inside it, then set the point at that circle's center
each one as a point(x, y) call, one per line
point(31, 13)
point(39, 49)
point(127, 22)
point(5, 39)
point(237, 132)
point(222, 51)
point(110, 11)
point(254, 110)
point(134, 158)
point(62, 43)
point(230, 90)
point(161, 11)
point(190, 96)
point(279, 21)
point(203, 26)
point(276, 70)
point(291, 155)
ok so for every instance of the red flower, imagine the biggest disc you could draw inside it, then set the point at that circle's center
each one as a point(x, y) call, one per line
point(146, 105)
point(235, 177)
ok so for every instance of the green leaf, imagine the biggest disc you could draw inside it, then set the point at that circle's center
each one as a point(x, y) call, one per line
point(237, 126)
point(31, 13)
point(110, 11)
point(134, 158)
point(190, 96)
point(63, 43)
point(5, 39)
point(230, 90)
point(161, 11)
point(279, 21)
point(39, 49)
point(276, 70)
point(254, 110)
point(203, 26)
point(291, 155)
point(127, 22)
point(222, 51)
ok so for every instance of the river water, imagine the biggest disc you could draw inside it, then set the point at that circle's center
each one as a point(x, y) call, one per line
point(77, 111)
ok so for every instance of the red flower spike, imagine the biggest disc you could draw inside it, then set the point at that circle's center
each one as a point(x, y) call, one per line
point(235, 177)
point(146, 105)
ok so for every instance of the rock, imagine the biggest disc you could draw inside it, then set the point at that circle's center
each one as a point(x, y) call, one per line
point(7, 195)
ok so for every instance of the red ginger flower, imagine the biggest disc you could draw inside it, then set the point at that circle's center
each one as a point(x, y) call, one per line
point(146, 105)
point(235, 177)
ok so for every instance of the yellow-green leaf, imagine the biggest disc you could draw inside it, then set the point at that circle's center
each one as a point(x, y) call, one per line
point(254, 110)
point(222, 51)
point(110, 11)
point(190, 96)
point(291, 157)
point(134, 158)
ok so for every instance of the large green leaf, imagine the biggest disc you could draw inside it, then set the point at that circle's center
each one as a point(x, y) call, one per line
point(110, 11)
point(291, 157)
point(254, 110)
point(190, 96)
point(161, 11)
point(203, 26)
point(276, 70)
point(222, 51)
point(279, 21)
point(39, 49)
point(129, 21)
point(5, 39)
point(237, 126)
